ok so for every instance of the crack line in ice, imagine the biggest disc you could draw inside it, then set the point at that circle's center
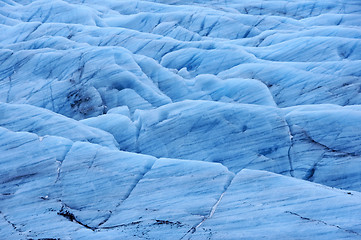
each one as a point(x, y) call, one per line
point(290, 147)
point(211, 213)
point(328, 148)
point(70, 216)
point(60, 163)
point(136, 183)
point(323, 222)
point(12, 224)
point(127, 194)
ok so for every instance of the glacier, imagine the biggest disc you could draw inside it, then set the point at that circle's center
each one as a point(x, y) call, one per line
point(191, 119)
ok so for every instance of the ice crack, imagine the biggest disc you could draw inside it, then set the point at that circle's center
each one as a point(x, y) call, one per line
point(211, 213)
point(323, 222)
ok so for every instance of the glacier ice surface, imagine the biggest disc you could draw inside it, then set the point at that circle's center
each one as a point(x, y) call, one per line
point(192, 119)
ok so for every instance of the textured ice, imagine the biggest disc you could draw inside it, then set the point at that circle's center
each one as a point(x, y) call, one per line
point(282, 207)
point(180, 119)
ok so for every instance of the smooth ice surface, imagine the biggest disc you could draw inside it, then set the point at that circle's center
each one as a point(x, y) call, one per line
point(180, 119)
